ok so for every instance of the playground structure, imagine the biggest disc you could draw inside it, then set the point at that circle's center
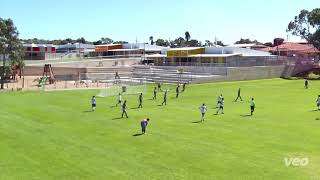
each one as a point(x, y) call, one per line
point(16, 70)
point(48, 75)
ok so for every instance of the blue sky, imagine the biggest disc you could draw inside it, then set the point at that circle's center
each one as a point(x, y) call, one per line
point(228, 20)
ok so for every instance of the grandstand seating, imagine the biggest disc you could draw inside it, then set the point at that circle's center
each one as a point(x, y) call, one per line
point(151, 74)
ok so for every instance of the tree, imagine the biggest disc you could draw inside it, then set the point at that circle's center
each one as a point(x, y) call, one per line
point(269, 44)
point(307, 26)
point(56, 42)
point(247, 41)
point(278, 41)
point(106, 40)
point(193, 43)
point(81, 40)
point(120, 42)
point(17, 60)
point(9, 45)
point(316, 39)
point(179, 42)
point(162, 42)
point(208, 43)
point(151, 40)
point(69, 40)
point(187, 36)
point(220, 43)
point(99, 42)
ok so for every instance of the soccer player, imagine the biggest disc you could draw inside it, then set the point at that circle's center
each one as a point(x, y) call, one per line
point(184, 87)
point(140, 101)
point(155, 93)
point(144, 124)
point(165, 97)
point(93, 103)
point(119, 99)
point(124, 109)
point(177, 91)
point(219, 100)
point(306, 83)
point(220, 106)
point(252, 106)
point(117, 76)
point(203, 110)
point(318, 102)
point(159, 86)
point(239, 95)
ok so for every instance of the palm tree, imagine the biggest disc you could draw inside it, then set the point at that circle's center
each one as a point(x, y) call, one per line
point(151, 40)
point(187, 35)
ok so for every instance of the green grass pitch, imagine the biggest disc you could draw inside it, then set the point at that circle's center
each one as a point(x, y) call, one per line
point(53, 135)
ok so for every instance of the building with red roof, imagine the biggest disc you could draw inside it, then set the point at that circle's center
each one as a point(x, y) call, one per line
point(293, 49)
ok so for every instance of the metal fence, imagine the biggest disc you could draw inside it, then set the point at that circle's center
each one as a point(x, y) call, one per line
point(236, 61)
point(70, 82)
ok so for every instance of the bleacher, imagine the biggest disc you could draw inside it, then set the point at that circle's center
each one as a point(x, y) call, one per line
point(150, 73)
point(161, 75)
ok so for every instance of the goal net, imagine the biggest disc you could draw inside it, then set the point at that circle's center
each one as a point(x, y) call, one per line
point(123, 86)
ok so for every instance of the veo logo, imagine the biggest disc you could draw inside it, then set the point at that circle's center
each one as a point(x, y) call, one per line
point(296, 161)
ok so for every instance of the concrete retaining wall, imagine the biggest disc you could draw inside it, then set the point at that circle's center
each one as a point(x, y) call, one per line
point(246, 73)
point(233, 73)
point(251, 73)
point(198, 69)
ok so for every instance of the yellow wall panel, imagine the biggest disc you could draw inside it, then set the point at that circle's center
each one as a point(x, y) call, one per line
point(185, 52)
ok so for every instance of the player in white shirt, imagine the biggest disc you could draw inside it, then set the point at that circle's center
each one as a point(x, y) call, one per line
point(219, 100)
point(318, 102)
point(203, 110)
point(119, 99)
point(220, 106)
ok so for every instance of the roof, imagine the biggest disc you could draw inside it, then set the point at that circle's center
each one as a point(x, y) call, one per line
point(155, 55)
point(241, 45)
point(300, 41)
point(184, 48)
point(104, 45)
point(215, 55)
point(117, 50)
point(259, 46)
point(144, 46)
point(77, 45)
point(37, 45)
point(303, 48)
point(235, 50)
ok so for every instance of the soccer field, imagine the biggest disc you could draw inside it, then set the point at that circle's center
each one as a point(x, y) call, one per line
point(54, 135)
